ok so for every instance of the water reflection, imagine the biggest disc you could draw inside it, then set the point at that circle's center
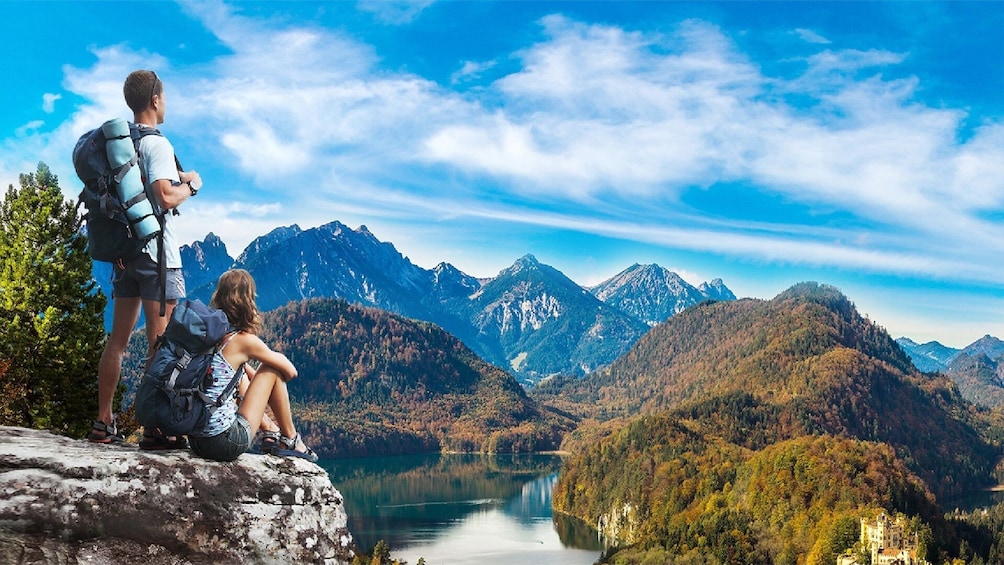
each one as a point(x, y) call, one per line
point(463, 508)
point(975, 501)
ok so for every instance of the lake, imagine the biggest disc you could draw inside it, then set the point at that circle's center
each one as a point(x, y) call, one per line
point(974, 501)
point(461, 509)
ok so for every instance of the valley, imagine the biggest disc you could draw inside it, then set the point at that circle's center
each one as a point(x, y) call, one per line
point(754, 430)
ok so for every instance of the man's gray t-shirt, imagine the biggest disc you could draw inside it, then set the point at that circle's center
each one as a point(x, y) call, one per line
point(157, 157)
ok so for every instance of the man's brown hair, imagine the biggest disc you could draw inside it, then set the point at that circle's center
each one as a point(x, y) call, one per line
point(140, 88)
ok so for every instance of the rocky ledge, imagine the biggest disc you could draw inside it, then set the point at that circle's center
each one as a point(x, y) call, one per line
point(71, 501)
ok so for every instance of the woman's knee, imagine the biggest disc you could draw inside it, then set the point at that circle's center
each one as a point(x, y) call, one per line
point(269, 372)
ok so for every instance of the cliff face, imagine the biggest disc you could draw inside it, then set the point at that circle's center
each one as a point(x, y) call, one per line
point(70, 501)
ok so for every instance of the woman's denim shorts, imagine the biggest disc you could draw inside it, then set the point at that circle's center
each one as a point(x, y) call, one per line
point(225, 446)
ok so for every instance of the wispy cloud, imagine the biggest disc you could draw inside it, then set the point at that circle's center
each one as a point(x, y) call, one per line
point(29, 128)
point(395, 11)
point(627, 124)
point(810, 36)
point(599, 110)
point(49, 102)
point(471, 70)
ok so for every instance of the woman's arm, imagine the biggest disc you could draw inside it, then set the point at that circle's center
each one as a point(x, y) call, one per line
point(254, 348)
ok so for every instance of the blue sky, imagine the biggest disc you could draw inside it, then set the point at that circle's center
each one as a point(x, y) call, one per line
point(857, 144)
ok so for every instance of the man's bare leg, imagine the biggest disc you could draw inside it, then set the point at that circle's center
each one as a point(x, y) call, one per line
point(125, 313)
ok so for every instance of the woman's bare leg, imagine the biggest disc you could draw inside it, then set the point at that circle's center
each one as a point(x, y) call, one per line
point(267, 389)
point(267, 421)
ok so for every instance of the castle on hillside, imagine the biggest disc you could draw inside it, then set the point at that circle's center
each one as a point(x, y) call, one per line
point(888, 543)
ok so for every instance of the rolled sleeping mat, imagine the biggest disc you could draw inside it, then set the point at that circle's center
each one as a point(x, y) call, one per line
point(120, 150)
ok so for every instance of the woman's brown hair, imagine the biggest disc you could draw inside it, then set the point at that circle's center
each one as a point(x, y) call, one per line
point(235, 294)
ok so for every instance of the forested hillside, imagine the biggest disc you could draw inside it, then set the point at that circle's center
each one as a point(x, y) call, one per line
point(374, 383)
point(761, 428)
point(672, 490)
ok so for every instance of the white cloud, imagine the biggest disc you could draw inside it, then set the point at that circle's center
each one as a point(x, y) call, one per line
point(29, 128)
point(810, 36)
point(621, 122)
point(471, 70)
point(395, 11)
point(49, 102)
point(598, 110)
point(595, 109)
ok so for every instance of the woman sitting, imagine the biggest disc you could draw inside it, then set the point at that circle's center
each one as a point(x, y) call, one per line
point(233, 426)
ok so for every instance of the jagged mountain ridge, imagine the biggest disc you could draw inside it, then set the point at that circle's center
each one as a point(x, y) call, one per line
point(263, 242)
point(978, 371)
point(201, 261)
point(333, 260)
point(979, 377)
point(553, 323)
point(530, 318)
point(632, 292)
point(987, 345)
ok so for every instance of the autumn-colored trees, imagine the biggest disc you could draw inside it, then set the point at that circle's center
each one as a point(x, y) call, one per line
point(776, 423)
point(375, 383)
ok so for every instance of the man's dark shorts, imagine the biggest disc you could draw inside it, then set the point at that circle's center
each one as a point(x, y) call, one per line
point(140, 278)
point(225, 446)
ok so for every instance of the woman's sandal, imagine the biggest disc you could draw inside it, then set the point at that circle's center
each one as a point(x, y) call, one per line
point(286, 447)
point(269, 441)
point(104, 433)
point(153, 440)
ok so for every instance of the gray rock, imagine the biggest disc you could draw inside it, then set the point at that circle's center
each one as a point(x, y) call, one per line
point(71, 501)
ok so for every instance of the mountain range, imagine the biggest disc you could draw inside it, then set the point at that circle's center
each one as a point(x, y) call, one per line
point(530, 319)
point(977, 369)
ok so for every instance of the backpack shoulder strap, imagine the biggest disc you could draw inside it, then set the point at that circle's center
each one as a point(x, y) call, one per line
point(139, 133)
point(229, 391)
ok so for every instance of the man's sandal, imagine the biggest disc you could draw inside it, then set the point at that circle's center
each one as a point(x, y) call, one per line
point(104, 433)
point(153, 440)
point(286, 447)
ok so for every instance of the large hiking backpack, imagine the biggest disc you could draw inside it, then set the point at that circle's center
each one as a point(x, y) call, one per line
point(172, 394)
point(121, 215)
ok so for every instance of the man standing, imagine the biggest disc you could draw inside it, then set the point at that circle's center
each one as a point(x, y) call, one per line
point(136, 283)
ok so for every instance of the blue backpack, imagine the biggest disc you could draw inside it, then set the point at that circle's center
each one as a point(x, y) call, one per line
point(172, 394)
point(121, 216)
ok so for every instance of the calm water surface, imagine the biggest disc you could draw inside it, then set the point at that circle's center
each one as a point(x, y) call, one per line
point(974, 501)
point(461, 509)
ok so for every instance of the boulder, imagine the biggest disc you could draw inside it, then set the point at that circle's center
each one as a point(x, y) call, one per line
point(71, 501)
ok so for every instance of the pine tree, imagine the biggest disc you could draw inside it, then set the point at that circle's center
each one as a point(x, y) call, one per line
point(381, 553)
point(51, 321)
